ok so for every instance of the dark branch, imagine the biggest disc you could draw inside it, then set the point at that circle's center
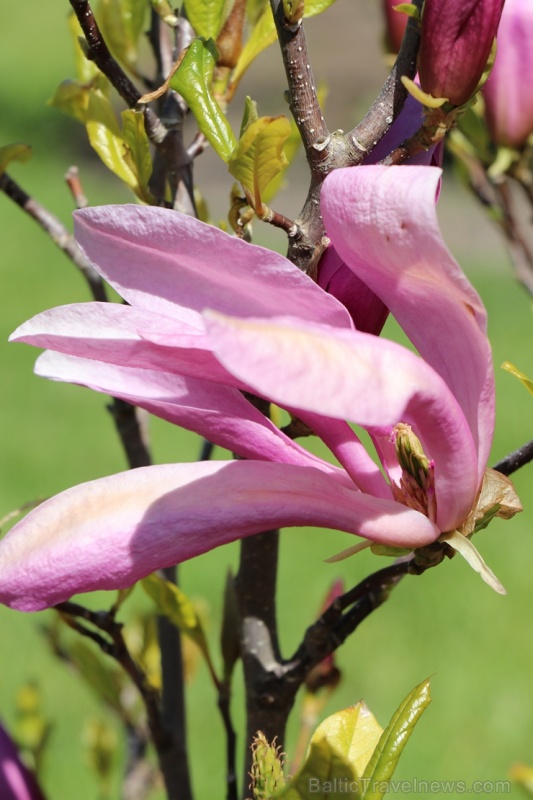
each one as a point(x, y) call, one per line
point(390, 101)
point(98, 51)
point(516, 460)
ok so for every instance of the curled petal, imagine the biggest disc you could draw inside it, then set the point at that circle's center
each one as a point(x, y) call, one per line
point(220, 413)
point(109, 533)
point(383, 224)
point(160, 260)
point(361, 378)
point(122, 335)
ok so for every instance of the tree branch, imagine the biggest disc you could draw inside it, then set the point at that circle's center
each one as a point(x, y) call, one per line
point(98, 51)
point(390, 101)
point(514, 461)
point(56, 231)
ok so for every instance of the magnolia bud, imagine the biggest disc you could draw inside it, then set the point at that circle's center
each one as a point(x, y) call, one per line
point(395, 24)
point(456, 40)
point(508, 92)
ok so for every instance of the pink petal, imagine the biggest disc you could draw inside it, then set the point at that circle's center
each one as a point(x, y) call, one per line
point(159, 260)
point(360, 378)
point(109, 533)
point(382, 222)
point(122, 335)
point(366, 309)
point(220, 413)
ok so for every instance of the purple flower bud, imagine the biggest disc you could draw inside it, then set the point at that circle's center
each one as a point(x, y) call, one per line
point(508, 92)
point(457, 37)
point(395, 24)
point(16, 781)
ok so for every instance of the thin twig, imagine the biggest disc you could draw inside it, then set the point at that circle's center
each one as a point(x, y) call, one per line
point(514, 461)
point(115, 646)
point(72, 178)
point(56, 231)
point(98, 51)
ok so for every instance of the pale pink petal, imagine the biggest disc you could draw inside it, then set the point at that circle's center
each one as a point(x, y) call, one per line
point(109, 533)
point(122, 335)
point(382, 221)
point(220, 413)
point(361, 378)
point(158, 260)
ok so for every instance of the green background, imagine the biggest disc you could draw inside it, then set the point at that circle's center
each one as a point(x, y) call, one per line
point(477, 645)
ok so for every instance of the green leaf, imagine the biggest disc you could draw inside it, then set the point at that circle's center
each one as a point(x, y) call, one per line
point(381, 766)
point(105, 680)
point(205, 16)
point(13, 152)
point(473, 557)
point(121, 23)
point(249, 115)
point(264, 34)
point(527, 382)
point(174, 604)
point(86, 70)
point(354, 733)
point(324, 776)
point(137, 151)
point(72, 99)
point(259, 156)
point(105, 137)
point(193, 81)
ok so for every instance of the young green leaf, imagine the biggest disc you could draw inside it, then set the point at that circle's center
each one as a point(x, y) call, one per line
point(205, 16)
point(137, 151)
point(174, 604)
point(121, 23)
point(381, 766)
point(354, 733)
point(259, 156)
point(86, 70)
point(13, 152)
point(72, 99)
point(522, 377)
point(264, 34)
point(323, 772)
point(193, 81)
point(105, 137)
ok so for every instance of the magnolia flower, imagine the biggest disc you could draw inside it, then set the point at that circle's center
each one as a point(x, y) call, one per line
point(508, 92)
point(16, 781)
point(211, 317)
point(457, 37)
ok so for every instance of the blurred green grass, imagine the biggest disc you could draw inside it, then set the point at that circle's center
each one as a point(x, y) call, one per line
point(447, 623)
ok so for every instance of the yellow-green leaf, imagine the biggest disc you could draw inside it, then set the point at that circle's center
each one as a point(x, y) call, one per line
point(522, 377)
point(205, 16)
point(522, 774)
point(106, 680)
point(173, 603)
point(121, 23)
point(105, 137)
point(137, 151)
point(72, 99)
point(381, 766)
point(193, 81)
point(353, 733)
point(324, 776)
point(264, 34)
point(13, 152)
point(259, 156)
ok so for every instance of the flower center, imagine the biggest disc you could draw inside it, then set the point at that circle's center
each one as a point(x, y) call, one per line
point(416, 488)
